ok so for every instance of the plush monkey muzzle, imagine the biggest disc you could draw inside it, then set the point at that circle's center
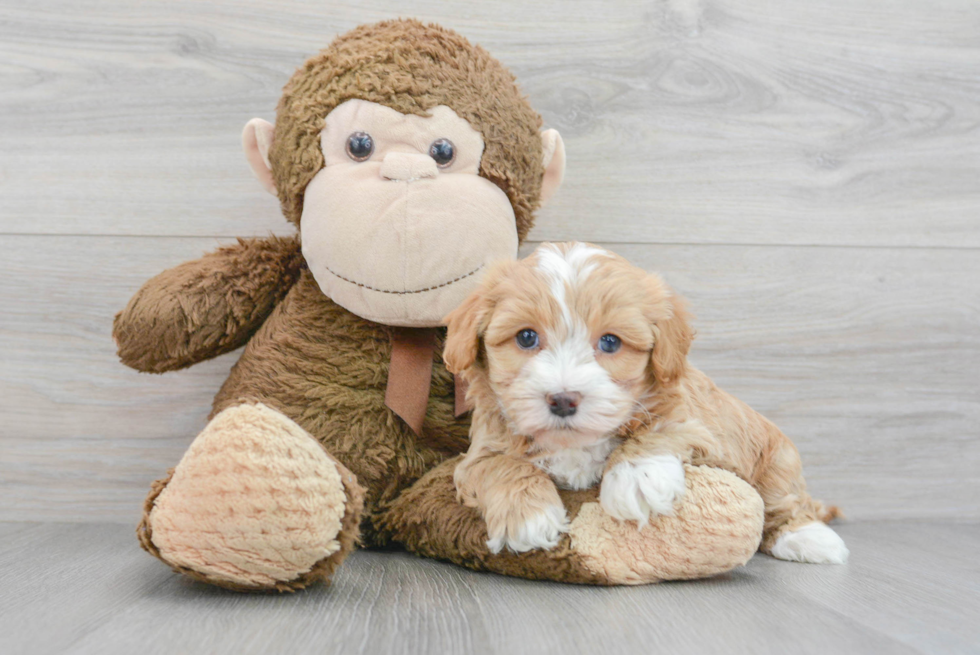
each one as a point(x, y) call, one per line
point(406, 167)
point(398, 224)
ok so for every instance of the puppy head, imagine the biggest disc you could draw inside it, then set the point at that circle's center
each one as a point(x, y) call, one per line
point(568, 343)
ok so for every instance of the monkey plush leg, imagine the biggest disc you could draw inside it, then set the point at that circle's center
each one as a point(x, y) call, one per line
point(715, 528)
point(255, 504)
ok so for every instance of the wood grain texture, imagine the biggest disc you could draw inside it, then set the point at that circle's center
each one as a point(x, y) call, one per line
point(807, 173)
point(867, 358)
point(88, 589)
point(686, 121)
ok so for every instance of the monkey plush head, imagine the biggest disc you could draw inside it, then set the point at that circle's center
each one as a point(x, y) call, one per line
point(409, 160)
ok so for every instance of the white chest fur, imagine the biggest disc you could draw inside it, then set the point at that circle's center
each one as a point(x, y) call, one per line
point(577, 468)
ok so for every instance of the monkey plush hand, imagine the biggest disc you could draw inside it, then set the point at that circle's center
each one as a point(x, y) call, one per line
point(408, 160)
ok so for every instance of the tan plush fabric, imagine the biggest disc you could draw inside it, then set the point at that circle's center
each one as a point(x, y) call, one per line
point(716, 528)
point(256, 143)
point(394, 238)
point(254, 501)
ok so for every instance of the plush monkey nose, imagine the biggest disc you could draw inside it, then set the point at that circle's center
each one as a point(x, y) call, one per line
point(563, 404)
point(406, 166)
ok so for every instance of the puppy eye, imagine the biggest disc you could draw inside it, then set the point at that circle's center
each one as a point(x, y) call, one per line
point(360, 145)
point(609, 343)
point(527, 339)
point(443, 151)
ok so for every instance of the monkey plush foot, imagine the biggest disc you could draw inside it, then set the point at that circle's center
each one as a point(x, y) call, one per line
point(255, 504)
point(715, 528)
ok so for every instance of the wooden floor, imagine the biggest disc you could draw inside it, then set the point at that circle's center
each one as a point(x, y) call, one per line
point(85, 588)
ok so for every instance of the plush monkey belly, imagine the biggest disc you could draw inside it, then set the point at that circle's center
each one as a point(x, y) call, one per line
point(301, 455)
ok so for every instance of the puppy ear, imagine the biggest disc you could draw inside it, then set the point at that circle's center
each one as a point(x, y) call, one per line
point(671, 343)
point(466, 325)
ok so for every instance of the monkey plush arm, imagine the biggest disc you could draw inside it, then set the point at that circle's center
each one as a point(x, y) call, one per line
point(207, 307)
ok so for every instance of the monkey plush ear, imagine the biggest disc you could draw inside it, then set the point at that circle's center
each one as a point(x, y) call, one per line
point(256, 141)
point(554, 163)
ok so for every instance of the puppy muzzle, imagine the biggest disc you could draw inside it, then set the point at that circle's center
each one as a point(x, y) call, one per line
point(563, 404)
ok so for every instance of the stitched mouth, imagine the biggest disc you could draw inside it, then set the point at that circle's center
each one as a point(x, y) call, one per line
point(403, 293)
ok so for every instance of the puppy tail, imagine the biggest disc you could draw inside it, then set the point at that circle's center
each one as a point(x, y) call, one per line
point(828, 514)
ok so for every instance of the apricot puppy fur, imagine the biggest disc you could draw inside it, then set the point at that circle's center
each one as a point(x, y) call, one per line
point(578, 373)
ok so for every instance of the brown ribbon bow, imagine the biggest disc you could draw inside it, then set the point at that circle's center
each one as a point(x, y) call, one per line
point(410, 376)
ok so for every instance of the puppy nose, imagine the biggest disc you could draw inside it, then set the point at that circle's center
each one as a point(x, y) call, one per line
point(563, 404)
point(407, 166)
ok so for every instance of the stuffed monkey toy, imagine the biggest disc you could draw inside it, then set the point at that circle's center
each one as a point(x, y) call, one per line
point(408, 160)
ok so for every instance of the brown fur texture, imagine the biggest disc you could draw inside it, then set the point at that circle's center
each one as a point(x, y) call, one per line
point(410, 67)
point(207, 307)
point(321, 366)
point(716, 531)
point(326, 369)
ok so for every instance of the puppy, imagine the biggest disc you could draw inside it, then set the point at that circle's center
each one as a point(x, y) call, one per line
point(577, 369)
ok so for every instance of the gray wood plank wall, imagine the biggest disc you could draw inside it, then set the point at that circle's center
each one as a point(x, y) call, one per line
point(808, 174)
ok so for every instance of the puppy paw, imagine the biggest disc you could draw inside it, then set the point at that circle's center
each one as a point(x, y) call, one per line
point(635, 489)
point(540, 531)
point(814, 543)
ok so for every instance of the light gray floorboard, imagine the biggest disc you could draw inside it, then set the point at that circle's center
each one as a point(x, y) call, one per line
point(910, 587)
point(917, 582)
point(61, 581)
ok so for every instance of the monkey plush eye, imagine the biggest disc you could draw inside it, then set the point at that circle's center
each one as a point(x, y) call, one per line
point(360, 145)
point(443, 151)
point(527, 339)
point(609, 343)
